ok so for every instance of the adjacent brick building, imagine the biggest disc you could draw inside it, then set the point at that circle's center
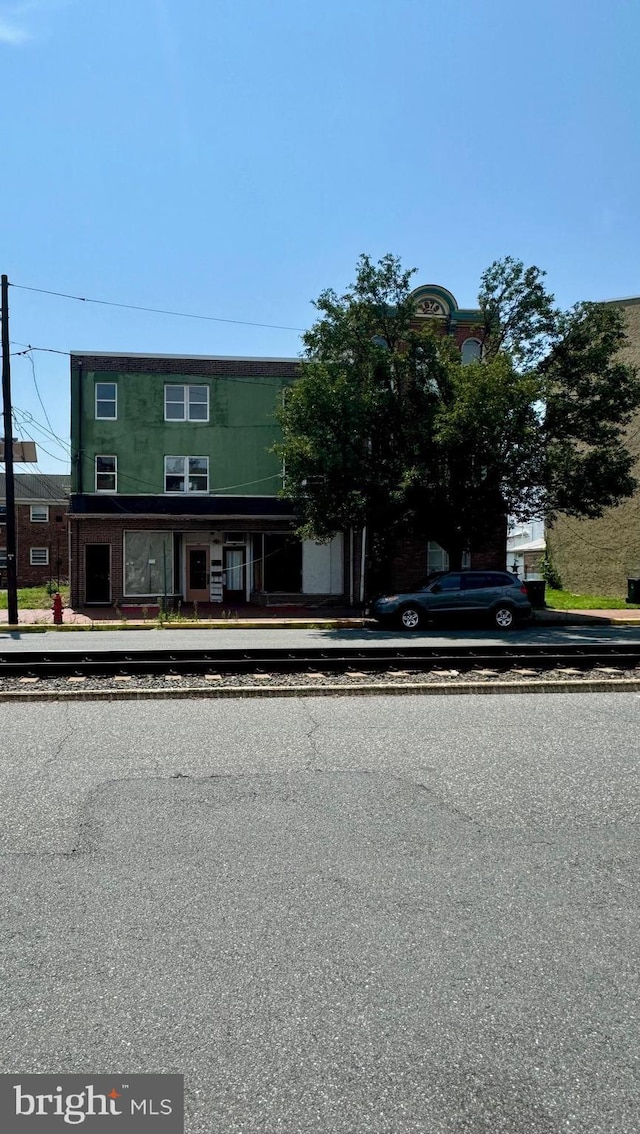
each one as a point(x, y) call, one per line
point(175, 486)
point(42, 502)
point(598, 556)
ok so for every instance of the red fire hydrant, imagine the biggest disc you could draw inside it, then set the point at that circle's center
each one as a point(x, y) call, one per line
point(57, 609)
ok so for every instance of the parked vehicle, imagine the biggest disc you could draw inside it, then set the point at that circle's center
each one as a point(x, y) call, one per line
point(497, 594)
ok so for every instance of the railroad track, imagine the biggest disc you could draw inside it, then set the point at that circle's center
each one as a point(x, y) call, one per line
point(340, 660)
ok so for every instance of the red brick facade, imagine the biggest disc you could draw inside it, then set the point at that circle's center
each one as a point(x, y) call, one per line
point(50, 536)
point(110, 530)
point(44, 539)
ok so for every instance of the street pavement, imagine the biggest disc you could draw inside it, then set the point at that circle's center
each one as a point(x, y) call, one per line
point(391, 916)
point(273, 638)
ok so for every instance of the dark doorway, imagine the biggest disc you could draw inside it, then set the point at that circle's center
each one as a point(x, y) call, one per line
point(283, 564)
point(97, 559)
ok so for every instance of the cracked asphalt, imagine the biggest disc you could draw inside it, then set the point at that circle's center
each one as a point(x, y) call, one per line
point(342, 915)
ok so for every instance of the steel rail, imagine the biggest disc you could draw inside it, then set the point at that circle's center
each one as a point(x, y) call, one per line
point(341, 659)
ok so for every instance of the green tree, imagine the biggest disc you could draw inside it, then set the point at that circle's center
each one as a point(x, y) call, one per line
point(387, 429)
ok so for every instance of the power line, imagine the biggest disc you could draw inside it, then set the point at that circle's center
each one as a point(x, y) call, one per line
point(90, 458)
point(46, 350)
point(35, 382)
point(275, 383)
point(54, 456)
point(157, 310)
point(29, 419)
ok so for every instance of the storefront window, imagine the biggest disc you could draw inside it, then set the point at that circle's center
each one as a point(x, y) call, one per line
point(148, 563)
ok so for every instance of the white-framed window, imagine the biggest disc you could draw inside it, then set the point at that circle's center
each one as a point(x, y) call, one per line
point(106, 474)
point(186, 403)
point(471, 351)
point(39, 513)
point(438, 558)
point(39, 556)
point(186, 474)
point(106, 401)
point(3, 558)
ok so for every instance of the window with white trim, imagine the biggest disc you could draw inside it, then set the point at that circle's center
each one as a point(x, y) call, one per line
point(186, 403)
point(106, 401)
point(3, 558)
point(39, 556)
point(39, 513)
point(106, 474)
point(186, 474)
point(438, 558)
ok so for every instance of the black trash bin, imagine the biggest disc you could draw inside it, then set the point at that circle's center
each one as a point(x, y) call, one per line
point(633, 590)
point(535, 590)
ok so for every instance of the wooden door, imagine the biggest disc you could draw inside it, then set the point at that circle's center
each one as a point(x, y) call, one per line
point(198, 571)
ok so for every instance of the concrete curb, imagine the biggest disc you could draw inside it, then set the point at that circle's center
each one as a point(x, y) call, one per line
point(614, 685)
point(236, 624)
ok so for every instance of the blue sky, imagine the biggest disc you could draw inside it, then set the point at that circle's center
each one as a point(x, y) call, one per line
point(234, 157)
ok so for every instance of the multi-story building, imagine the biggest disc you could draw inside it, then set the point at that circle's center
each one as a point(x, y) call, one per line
point(176, 488)
point(599, 556)
point(42, 546)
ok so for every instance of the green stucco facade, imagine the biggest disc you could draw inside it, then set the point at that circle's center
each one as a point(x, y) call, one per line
point(237, 437)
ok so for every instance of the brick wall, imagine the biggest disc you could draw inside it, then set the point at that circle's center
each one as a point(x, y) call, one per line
point(597, 556)
point(51, 535)
point(202, 367)
point(409, 564)
point(109, 530)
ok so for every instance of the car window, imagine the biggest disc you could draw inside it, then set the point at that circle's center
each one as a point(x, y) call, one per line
point(449, 583)
point(500, 580)
point(476, 581)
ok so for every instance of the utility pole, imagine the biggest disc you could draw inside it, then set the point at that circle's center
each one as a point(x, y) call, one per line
point(12, 588)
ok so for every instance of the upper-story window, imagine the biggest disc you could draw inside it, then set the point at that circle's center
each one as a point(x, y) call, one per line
point(106, 400)
point(186, 474)
point(106, 474)
point(39, 513)
point(186, 403)
point(471, 351)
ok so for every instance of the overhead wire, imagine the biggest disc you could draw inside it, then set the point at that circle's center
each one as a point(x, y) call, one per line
point(157, 310)
point(28, 419)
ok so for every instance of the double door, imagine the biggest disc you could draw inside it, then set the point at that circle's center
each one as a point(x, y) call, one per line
point(198, 570)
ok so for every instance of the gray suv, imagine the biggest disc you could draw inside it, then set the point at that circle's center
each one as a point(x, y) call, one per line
point(496, 594)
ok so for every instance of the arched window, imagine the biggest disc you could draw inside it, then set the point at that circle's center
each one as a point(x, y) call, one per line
point(471, 351)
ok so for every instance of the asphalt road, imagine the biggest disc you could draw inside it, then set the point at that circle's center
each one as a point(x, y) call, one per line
point(379, 915)
point(267, 638)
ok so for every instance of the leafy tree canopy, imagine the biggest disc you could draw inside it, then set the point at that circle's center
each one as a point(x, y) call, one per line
point(387, 428)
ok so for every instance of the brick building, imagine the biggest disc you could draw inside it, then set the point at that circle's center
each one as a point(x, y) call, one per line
point(175, 487)
point(598, 556)
point(42, 502)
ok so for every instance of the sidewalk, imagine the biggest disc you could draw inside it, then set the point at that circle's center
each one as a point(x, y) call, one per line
point(622, 617)
point(244, 619)
point(291, 617)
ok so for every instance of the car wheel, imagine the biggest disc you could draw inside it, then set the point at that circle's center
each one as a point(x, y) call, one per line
point(410, 618)
point(504, 617)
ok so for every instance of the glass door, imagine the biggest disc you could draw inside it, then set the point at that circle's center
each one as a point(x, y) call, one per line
point(234, 574)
